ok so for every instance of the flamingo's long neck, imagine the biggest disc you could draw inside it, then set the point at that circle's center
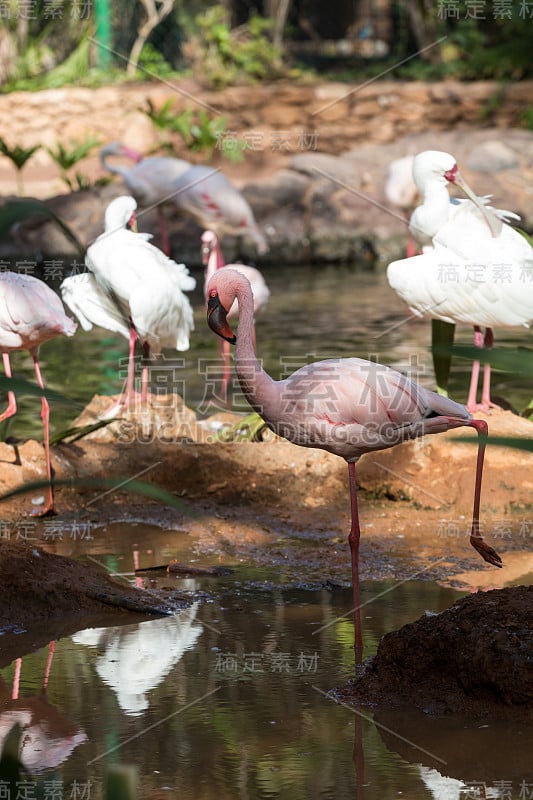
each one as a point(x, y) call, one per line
point(258, 387)
point(113, 168)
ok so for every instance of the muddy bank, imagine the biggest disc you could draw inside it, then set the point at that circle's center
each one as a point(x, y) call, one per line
point(39, 590)
point(474, 658)
point(273, 503)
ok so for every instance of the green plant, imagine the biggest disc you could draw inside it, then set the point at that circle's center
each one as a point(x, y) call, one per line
point(66, 158)
point(19, 156)
point(220, 56)
point(199, 131)
point(16, 211)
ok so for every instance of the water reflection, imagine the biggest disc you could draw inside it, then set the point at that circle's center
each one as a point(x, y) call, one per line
point(471, 751)
point(48, 736)
point(243, 711)
point(136, 659)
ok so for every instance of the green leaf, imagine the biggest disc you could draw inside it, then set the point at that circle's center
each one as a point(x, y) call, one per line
point(108, 485)
point(502, 441)
point(24, 208)
point(79, 432)
point(518, 361)
point(442, 335)
point(18, 155)
point(21, 386)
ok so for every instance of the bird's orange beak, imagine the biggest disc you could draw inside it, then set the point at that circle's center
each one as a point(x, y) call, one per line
point(217, 318)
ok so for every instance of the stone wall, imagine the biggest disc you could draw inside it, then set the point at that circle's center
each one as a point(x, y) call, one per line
point(333, 116)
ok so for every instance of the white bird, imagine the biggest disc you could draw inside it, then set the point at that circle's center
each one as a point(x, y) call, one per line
point(479, 270)
point(213, 260)
point(401, 190)
point(146, 288)
point(150, 180)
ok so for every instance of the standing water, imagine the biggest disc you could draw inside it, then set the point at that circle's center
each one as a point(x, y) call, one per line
point(230, 698)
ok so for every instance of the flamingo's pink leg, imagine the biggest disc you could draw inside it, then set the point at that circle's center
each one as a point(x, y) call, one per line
point(12, 402)
point(476, 539)
point(51, 651)
point(353, 539)
point(48, 507)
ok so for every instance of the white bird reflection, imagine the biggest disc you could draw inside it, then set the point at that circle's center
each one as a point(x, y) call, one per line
point(137, 658)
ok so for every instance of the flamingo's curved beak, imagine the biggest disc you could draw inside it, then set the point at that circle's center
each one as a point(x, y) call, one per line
point(216, 318)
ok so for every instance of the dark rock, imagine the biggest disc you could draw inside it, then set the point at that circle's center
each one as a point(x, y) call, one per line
point(475, 657)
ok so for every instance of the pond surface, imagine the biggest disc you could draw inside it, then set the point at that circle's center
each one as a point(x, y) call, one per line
point(313, 312)
point(228, 699)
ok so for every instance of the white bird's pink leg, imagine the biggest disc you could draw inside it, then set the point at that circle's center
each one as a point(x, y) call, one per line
point(471, 403)
point(144, 380)
point(486, 402)
point(476, 540)
point(12, 402)
point(48, 507)
point(128, 393)
point(353, 539)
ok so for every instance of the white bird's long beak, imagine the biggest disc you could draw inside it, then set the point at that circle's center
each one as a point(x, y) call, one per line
point(491, 220)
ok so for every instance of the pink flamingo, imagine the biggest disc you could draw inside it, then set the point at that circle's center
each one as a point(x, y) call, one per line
point(213, 259)
point(201, 191)
point(31, 314)
point(347, 406)
point(150, 180)
point(215, 203)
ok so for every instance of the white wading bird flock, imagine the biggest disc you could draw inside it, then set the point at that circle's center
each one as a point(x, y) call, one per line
point(475, 268)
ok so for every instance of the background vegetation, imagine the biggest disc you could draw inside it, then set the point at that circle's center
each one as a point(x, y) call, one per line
point(234, 41)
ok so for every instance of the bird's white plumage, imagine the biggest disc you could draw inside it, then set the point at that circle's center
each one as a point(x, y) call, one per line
point(91, 305)
point(472, 272)
point(400, 188)
point(148, 287)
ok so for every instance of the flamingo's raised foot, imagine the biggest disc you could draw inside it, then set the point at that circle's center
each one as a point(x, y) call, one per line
point(486, 552)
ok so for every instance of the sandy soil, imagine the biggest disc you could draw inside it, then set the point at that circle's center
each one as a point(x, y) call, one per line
point(278, 504)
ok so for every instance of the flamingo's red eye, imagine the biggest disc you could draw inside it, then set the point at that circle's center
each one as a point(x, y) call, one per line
point(213, 293)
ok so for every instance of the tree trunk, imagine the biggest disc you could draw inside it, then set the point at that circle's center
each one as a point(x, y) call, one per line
point(154, 17)
point(424, 26)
